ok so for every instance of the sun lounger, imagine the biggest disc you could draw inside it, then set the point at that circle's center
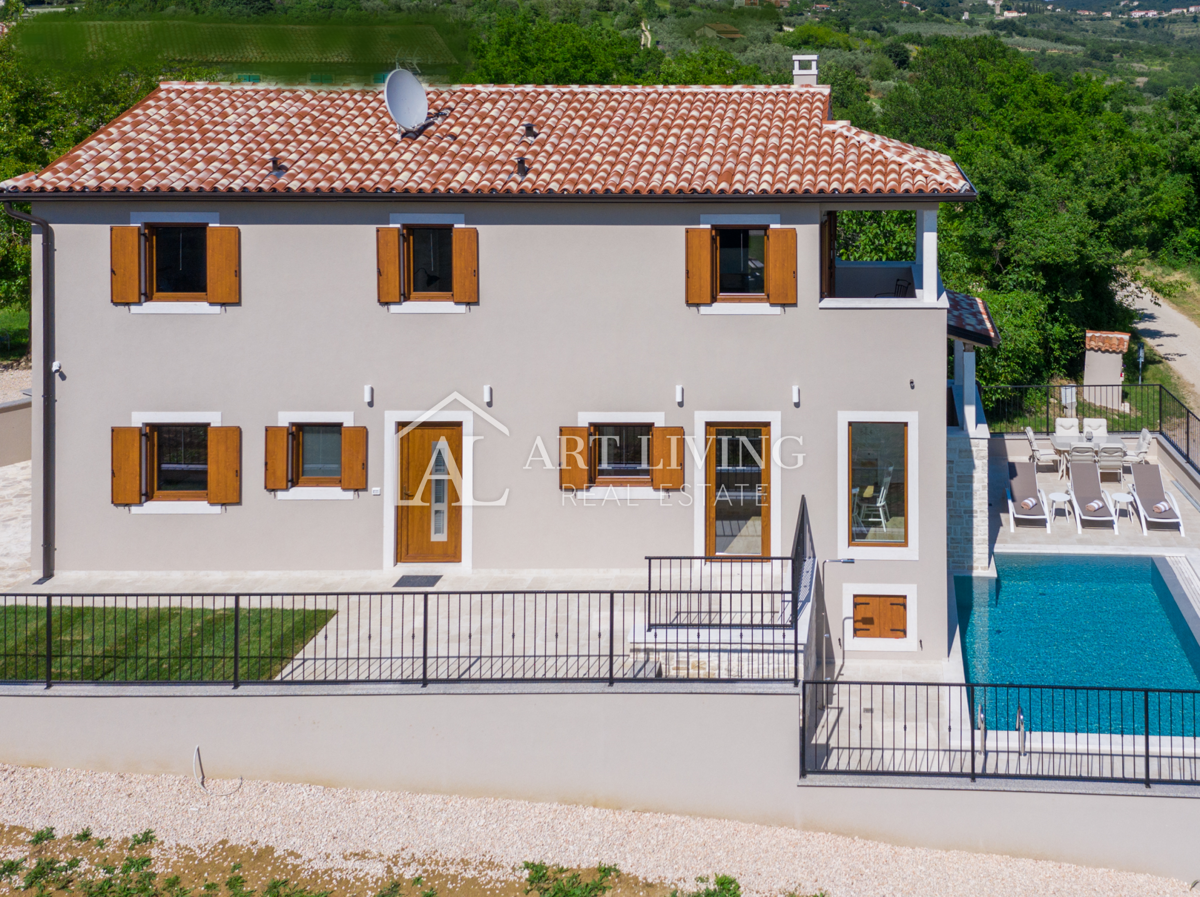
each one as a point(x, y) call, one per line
point(1086, 492)
point(1025, 500)
point(1148, 494)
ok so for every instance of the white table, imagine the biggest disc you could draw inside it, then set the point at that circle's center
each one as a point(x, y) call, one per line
point(1122, 499)
point(1056, 499)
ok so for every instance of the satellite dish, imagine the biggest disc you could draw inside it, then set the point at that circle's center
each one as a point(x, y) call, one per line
point(406, 101)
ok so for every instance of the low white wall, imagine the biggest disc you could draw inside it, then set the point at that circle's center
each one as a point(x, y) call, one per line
point(709, 754)
point(16, 439)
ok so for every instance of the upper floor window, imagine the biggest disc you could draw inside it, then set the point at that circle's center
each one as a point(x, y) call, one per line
point(430, 263)
point(741, 264)
point(179, 263)
point(427, 263)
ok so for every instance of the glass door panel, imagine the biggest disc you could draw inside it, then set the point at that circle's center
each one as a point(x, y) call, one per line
point(738, 490)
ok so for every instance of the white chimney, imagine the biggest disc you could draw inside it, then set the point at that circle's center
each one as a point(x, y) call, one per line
point(804, 77)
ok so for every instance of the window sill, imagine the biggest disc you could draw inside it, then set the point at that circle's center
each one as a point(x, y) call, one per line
point(741, 308)
point(428, 308)
point(315, 493)
point(176, 507)
point(175, 308)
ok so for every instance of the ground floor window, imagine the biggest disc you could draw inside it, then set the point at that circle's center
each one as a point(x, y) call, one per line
point(318, 449)
point(178, 462)
point(878, 491)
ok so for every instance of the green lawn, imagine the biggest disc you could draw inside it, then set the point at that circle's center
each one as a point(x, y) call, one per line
point(14, 333)
point(179, 644)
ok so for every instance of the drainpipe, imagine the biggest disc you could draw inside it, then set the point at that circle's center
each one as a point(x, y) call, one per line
point(48, 384)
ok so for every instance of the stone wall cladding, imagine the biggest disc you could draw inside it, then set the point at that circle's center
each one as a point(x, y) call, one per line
point(966, 502)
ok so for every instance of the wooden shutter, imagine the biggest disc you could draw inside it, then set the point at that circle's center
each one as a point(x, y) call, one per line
point(224, 465)
point(354, 458)
point(387, 264)
point(126, 465)
point(573, 457)
point(126, 264)
point(276, 464)
point(829, 255)
point(224, 264)
point(895, 608)
point(466, 265)
point(699, 266)
point(781, 265)
point(866, 616)
point(667, 470)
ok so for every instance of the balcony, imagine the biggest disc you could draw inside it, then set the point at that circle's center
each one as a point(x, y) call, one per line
point(871, 280)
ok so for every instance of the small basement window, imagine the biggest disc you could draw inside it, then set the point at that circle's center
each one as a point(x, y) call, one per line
point(430, 256)
point(178, 457)
point(178, 261)
point(880, 616)
point(741, 263)
point(318, 454)
point(621, 454)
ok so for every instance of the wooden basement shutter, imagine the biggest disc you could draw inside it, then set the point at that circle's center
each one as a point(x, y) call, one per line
point(224, 264)
point(880, 616)
point(573, 457)
point(781, 266)
point(387, 264)
point(276, 464)
point(466, 265)
point(669, 448)
point(224, 465)
point(126, 264)
point(699, 266)
point(354, 458)
point(127, 465)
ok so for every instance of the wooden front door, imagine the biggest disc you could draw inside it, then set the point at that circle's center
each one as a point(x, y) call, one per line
point(429, 504)
point(738, 490)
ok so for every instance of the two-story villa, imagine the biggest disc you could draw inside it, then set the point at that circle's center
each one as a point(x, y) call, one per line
point(561, 328)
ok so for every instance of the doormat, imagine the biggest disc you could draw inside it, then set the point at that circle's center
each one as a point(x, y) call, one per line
point(414, 581)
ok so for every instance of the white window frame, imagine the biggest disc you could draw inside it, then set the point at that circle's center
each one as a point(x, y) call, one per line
point(416, 219)
point(740, 308)
point(654, 418)
point(700, 473)
point(141, 419)
point(911, 640)
point(316, 493)
point(391, 485)
point(911, 551)
point(175, 308)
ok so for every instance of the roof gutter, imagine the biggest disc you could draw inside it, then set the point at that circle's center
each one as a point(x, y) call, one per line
point(48, 385)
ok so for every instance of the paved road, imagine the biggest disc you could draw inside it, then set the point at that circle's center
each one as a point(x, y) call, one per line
point(1175, 337)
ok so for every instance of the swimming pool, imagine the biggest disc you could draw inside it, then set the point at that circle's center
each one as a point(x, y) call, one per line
point(1095, 621)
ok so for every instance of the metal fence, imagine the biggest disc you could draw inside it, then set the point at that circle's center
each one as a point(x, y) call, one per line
point(1013, 731)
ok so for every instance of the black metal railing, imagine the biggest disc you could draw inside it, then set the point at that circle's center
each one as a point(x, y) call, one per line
point(584, 636)
point(719, 591)
point(1126, 408)
point(1015, 731)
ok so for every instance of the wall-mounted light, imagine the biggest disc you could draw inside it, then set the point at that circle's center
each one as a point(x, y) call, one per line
point(369, 394)
point(796, 396)
point(679, 395)
point(487, 396)
point(912, 384)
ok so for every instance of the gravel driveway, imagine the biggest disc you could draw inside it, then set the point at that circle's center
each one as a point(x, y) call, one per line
point(366, 835)
point(1173, 334)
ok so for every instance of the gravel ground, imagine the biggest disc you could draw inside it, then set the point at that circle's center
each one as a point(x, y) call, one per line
point(365, 835)
point(15, 522)
point(12, 381)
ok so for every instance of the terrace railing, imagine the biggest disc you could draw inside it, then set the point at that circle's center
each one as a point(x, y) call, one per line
point(1138, 735)
point(1126, 408)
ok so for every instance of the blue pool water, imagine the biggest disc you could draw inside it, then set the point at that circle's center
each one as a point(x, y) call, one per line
point(1074, 620)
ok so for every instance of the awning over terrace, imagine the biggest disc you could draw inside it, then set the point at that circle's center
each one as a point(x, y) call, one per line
point(970, 321)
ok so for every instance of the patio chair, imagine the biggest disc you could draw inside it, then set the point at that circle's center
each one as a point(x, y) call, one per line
point(1090, 502)
point(1141, 452)
point(1111, 459)
point(1066, 427)
point(1040, 455)
point(1097, 426)
point(872, 508)
point(1082, 452)
point(1150, 498)
point(1026, 500)
point(899, 291)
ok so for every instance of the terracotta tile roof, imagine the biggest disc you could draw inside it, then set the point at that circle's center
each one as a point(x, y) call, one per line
point(970, 320)
point(1106, 341)
point(739, 140)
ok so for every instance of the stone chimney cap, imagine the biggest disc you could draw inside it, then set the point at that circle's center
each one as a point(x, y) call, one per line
point(804, 77)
